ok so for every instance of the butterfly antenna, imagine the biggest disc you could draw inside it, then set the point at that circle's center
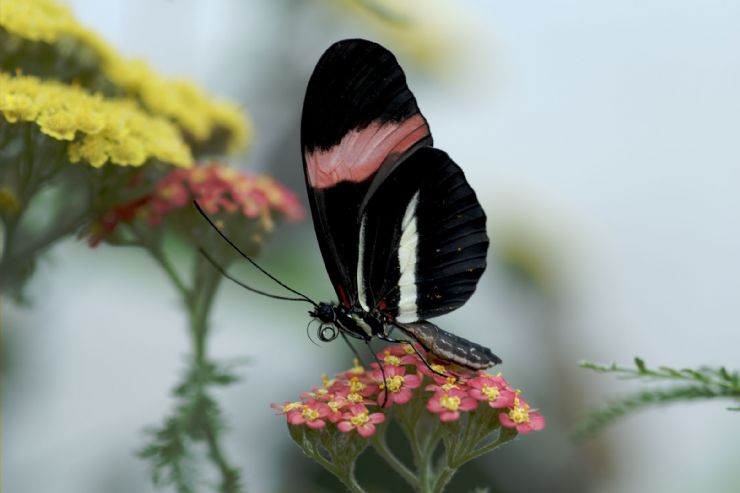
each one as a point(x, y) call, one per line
point(237, 281)
point(249, 259)
point(308, 331)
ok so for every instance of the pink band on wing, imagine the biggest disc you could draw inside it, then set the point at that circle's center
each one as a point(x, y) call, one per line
point(361, 152)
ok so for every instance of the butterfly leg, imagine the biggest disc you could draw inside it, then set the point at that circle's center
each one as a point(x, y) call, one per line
point(352, 348)
point(418, 353)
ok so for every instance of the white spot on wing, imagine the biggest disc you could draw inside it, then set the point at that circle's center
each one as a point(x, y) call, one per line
point(407, 251)
point(360, 267)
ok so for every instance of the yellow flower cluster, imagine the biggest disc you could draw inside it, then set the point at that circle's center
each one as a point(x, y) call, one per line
point(182, 101)
point(109, 130)
point(199, 116)
point(37, 20)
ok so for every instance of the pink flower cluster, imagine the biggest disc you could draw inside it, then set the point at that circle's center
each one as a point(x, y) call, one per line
point(346, 400)
point(219, 188)
point(215, 186)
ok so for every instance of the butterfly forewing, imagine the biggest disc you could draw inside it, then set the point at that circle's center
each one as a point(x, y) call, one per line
point(359, 121)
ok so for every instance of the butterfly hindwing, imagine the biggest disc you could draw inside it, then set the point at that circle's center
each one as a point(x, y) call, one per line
point(359, 121)
point(423, 240)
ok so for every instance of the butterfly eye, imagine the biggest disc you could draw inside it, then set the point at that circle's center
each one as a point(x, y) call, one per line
point(327, 332)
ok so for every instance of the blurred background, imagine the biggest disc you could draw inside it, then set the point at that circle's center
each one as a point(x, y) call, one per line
point(601, 138)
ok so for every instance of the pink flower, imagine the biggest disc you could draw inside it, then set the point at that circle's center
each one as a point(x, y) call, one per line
point(395, 358)
point(448, 404)
point(356, 371)
point(358, 418)
point(336, 405)
point(440, 371)
point(312, 414)
point(495, 390)
point(397, 388)
point(521, 417)
point(287, 407)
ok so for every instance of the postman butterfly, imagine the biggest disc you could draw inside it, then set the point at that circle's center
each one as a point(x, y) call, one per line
point(401, 232)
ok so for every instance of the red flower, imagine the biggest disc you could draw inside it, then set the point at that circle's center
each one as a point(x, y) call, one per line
point(448, 404)
point(397, 388)
point(358, 418)
point(521, 417)
point(495, 390)
point(311, 414)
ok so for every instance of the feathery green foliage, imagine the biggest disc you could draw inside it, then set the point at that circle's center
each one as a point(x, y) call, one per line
point(685, 384)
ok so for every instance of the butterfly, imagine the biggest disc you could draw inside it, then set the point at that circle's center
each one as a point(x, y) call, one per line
point(401, 232)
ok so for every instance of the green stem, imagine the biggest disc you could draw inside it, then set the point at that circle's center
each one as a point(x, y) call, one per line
point(443, 477)
point(409, 428)
point(381, 447)
point(426, 471)
point(346, 476)
point(505, 435)
point(454, 461)
point(154, 248)
point(228, 474)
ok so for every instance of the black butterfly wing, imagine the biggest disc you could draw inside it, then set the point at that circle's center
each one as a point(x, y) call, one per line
point(359, 121)
point(423, 240)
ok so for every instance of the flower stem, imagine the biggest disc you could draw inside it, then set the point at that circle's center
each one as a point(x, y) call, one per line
point(345, 475)
point(381, 447)
point(505, 435)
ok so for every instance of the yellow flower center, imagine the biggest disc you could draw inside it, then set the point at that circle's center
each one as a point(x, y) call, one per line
point(409, 349)
point(326, 382)
point(451, 384)
point(389, 359)
point(357, 368)
point(169, 191)
point(354, 397)
point(519, 414)
point(438, 368)
point(291, 406)
point(449, 402)
point(334, 405)
point(199, 175)
point(491, 392)
point(355, 385)
point(310, 414)
point(359, 419)
point(393, 384)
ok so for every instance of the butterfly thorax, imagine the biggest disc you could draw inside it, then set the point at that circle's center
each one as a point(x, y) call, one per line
point(354, 321)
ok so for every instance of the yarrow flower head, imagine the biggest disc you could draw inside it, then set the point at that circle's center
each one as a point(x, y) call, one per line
point(99, 130)
point(209, 125)
point(434, 402)
point(229, 196)
point(403, 377)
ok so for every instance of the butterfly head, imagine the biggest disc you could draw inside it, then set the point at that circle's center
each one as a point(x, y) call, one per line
point(324, 312)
